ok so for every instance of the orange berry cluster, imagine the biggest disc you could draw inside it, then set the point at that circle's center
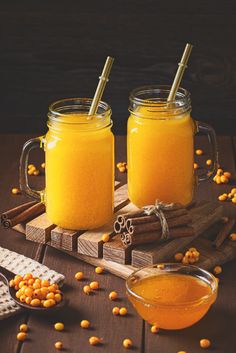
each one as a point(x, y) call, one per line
point(222, 177)
point(191, 256)
point(33, 170)
point(122, 166)
point(228, 197)
point(35, 291)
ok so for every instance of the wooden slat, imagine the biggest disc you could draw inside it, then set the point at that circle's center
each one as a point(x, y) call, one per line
point(39, 229)
point(65, 238)
point(115, 251)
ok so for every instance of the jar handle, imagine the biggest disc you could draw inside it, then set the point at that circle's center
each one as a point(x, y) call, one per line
point(210, 132)
point(36, 142)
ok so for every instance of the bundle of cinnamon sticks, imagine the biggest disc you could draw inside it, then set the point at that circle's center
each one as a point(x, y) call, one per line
point(139, 228)
point(22, 213)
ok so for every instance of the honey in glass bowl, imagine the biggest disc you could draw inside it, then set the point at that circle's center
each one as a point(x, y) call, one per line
point(172, 296)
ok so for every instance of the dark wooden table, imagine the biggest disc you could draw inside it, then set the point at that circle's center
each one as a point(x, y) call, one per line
point(218, 325)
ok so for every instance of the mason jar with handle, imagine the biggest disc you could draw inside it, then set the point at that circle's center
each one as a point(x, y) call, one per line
point(79, 157)
point(160, 147)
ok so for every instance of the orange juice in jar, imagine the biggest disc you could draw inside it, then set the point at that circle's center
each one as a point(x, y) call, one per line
point(79, 151)
point(160, 146)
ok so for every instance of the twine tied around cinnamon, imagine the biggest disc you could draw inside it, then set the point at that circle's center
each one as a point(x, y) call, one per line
point(158, 210)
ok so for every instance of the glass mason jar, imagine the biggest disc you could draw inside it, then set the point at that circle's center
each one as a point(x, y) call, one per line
point(79, 157)
point(160, 146)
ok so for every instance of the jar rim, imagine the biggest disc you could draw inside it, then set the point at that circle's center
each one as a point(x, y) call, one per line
point(181, 94)
point(64, 107)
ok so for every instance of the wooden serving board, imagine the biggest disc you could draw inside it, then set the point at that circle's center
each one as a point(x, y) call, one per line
point(112, 256)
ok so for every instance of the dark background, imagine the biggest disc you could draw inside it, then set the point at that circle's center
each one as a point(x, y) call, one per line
point(56, 49)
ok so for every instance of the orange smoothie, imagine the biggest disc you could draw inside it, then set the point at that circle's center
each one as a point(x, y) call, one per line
point(79, 172)
point(172, 301)
point(160, 150)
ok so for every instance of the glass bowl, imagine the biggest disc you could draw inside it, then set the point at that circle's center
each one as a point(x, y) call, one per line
point(171, 296)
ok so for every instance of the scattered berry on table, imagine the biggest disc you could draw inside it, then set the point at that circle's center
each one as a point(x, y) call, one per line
point(105, 238)
point(116, 310)
point(59, 326)
point(58, 345)
point(199, 152)
point(127, 343)
point(99, 270)
point(94, 285)
point(94, 340)
point(205, 343)
point(154, 329)
point(23, 328)
point(217, 270)
point(79, 276)
point(21, 336)
point(15, 191)
point(113, 295)
point(123, 311)
point(85, 324)
point(86, 289)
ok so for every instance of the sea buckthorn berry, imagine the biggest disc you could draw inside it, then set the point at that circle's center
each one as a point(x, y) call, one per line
point(21, 336)
point(35, 302)
point(18, 279)
point(127, 343)
point(123, 311)
point(15, 191)
point(38, 294)
point(234, 199)
point(31, 166)
point(195, 166)
point(43, 165)
point(29, 292)
point(49, 303)
point(224, 179)
point(116, 310)
point(58, 297)
point(36, 285)
point(230, 196)
point(99, 270)
point(59, 326)
point(28, 300)
point(222, 197)
point(94, 285)
point(44, 291)
point(36, 172)
point(85, 324)
point(79, 276)
point(122, 169)
point(209, 162)
point(185, 260)
point(58, 345)
point(105, 238)
point(86, 289)
point(218, 180)
point(50, 296)
point(199, 152)
point(205, 343)
point(233, 191)
point(217, 270)
point(232, 236)
point(18, 294)
point(160, 266)
point(119, 165)
point(31, 171)
point(179, 256)
point(182, 352)
point(27, 276)
point(227, 175)
point(12, 283)
point(23, 328)
point(154, 329)
point(219, 171)
point(45, 283)
point(22, 283)
point(94, 340)
point(113, 295)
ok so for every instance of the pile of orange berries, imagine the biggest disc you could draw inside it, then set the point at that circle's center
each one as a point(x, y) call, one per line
point(191, 256)
point(228, 197)
point(222, 177)
point(122, 166)
point(35, 291)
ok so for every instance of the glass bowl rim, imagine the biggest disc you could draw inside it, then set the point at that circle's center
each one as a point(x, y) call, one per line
point(213, 286)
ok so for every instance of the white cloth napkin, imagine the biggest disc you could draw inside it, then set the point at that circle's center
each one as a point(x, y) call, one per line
point(20, 264)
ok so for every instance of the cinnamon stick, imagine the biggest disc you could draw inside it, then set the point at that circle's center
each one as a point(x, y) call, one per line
point(155, 236)
point(224, 233)
point(16, 210)
point(153, 218)
point(122, 217)
point(146, 227)
point(25, 216)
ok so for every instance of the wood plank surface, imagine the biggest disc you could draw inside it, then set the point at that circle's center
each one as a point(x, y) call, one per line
point(39, 229)
point(218, 324)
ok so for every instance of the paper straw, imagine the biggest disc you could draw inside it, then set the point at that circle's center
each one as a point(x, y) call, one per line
point(103, 79)
point(180, 72)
